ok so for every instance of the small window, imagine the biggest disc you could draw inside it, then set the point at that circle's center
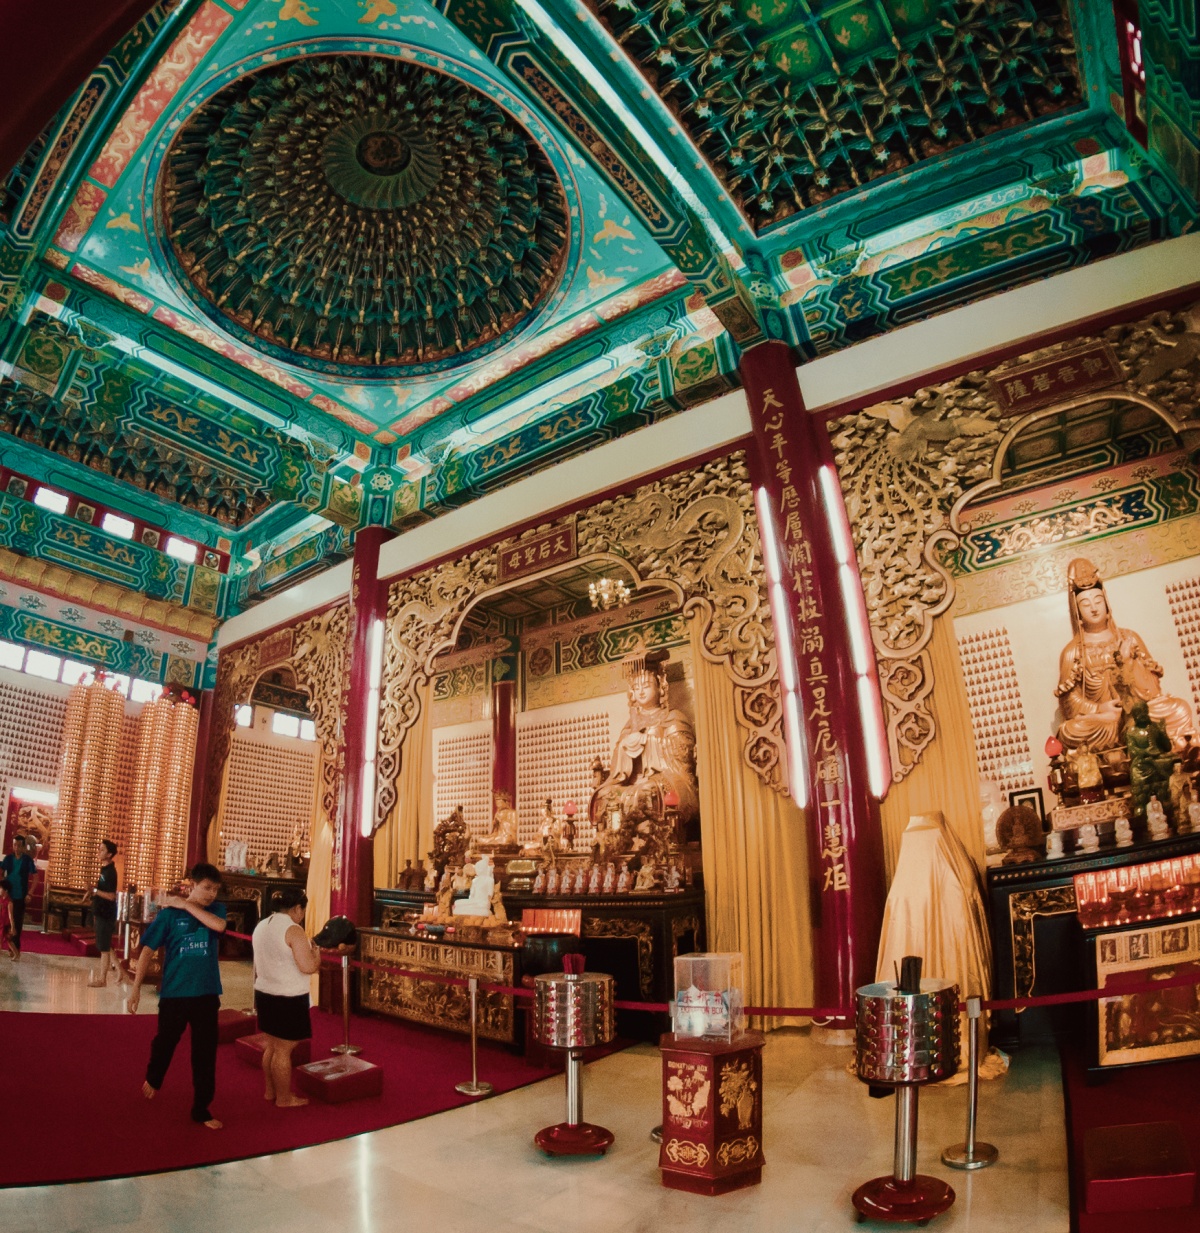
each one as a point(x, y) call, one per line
point(244, 715)
point(114, 524)
point(181, 550)
point(47, 498)
point(285, 725)
point(118, 683)
point(144, 691)
point(73, 672)
point(38, 663)
point(11, 656)
point(308, 730)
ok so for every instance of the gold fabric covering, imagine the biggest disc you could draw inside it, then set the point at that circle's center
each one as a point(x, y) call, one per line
point(755, 853)
point(946, 779)
point(408, 832)
point(935, 909)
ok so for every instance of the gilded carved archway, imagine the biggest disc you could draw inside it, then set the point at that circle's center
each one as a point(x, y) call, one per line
point(909, 466)
point(694, 531)
point(315, 650)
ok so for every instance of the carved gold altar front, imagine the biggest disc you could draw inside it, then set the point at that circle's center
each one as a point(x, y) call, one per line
point(432, 1002)
point(693, 532)
point(909, 466)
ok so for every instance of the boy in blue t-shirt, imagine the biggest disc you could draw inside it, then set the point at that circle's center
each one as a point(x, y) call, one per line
point(189, 994)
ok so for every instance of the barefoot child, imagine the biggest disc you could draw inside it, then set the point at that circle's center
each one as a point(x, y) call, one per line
point(189, 994)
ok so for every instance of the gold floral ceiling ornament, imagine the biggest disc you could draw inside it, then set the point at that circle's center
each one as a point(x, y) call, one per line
point(910, 465)
point(694, 532)
point(362, 214)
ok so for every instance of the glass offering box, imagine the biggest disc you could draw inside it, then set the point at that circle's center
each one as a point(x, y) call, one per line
point(708, 996)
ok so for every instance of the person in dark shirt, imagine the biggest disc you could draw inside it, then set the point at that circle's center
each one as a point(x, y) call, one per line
point(19, 869)
point(104, 915)
point(189, 993)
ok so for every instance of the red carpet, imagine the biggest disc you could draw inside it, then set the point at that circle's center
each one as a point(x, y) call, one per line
point(1167, 1092)
point(38, 943)
point(79, 1072)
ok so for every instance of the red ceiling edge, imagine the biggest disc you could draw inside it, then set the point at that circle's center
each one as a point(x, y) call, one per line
point(49, 50)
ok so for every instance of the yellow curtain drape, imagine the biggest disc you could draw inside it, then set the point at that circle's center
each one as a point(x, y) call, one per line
point(213, 839)
point(755, 853)
point(320, 859)
point(946, 779)
point(408, 832)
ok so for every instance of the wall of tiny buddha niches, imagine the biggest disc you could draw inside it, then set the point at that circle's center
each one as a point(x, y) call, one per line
point(567, 663)
point(32, 712)
point(270, 789)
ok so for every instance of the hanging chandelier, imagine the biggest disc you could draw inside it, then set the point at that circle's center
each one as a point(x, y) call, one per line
point(606, 593)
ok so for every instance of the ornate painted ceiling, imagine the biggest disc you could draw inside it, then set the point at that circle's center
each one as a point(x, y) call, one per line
point(284, 268)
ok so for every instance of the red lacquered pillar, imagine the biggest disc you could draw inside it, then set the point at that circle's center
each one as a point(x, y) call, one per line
point(353, 882)
point(831, 679)
point(197, 838)
point(504, 742)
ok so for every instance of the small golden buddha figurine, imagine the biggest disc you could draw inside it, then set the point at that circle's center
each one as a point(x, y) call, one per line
point(1104, 671)
point(504, 832)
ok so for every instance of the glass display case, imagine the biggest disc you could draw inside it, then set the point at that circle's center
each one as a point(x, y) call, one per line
point(708, 996)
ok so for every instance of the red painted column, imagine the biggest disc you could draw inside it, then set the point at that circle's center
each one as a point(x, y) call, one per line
point(504, 742)
point(845, 839)
point(353, 884)
point(197, 838)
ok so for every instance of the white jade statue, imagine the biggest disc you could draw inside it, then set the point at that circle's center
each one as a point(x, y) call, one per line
point(1124, 833)
point(1156, 818)
point(1054, 845)
point(479, 899)
point(1089, 839)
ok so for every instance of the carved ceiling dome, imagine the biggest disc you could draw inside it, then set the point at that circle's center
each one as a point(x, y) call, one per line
point(361, 212)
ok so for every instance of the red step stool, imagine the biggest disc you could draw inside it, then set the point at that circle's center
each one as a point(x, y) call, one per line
point(233, 1023)
point(250, 1050)
point(339, 1078)
point(1136, 1168)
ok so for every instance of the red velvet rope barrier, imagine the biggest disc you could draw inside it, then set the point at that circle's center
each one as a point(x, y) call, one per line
point(778, 1012)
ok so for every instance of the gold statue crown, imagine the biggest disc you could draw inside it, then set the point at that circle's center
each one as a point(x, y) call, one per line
point(642, 661)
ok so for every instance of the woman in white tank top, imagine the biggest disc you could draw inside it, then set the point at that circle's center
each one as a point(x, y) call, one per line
point(284, 959)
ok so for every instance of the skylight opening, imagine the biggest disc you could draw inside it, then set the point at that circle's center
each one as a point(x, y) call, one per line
point(49, 498)
point(181, 550)
point(114, 524)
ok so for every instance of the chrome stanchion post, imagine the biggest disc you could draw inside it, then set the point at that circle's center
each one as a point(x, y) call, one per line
point(972, 1155)
point(474, 1087)
point(346, 1047)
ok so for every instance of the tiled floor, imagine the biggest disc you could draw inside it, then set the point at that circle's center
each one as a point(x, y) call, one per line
point(476, 1169)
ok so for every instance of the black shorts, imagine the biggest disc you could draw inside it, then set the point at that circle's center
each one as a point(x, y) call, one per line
point(104, 926)
point(283, 1018)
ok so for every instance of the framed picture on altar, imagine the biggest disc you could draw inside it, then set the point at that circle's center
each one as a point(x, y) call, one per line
point(1031, 798)
point(1134, 1027)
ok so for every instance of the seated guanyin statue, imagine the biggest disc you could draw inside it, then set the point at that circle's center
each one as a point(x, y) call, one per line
point(1105, 671)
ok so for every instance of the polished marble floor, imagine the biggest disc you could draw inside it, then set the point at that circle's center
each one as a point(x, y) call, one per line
point(475, 1170)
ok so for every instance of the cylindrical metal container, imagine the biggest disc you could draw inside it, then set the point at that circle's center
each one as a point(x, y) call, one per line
point(907, 1037)
point(573, 1012)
